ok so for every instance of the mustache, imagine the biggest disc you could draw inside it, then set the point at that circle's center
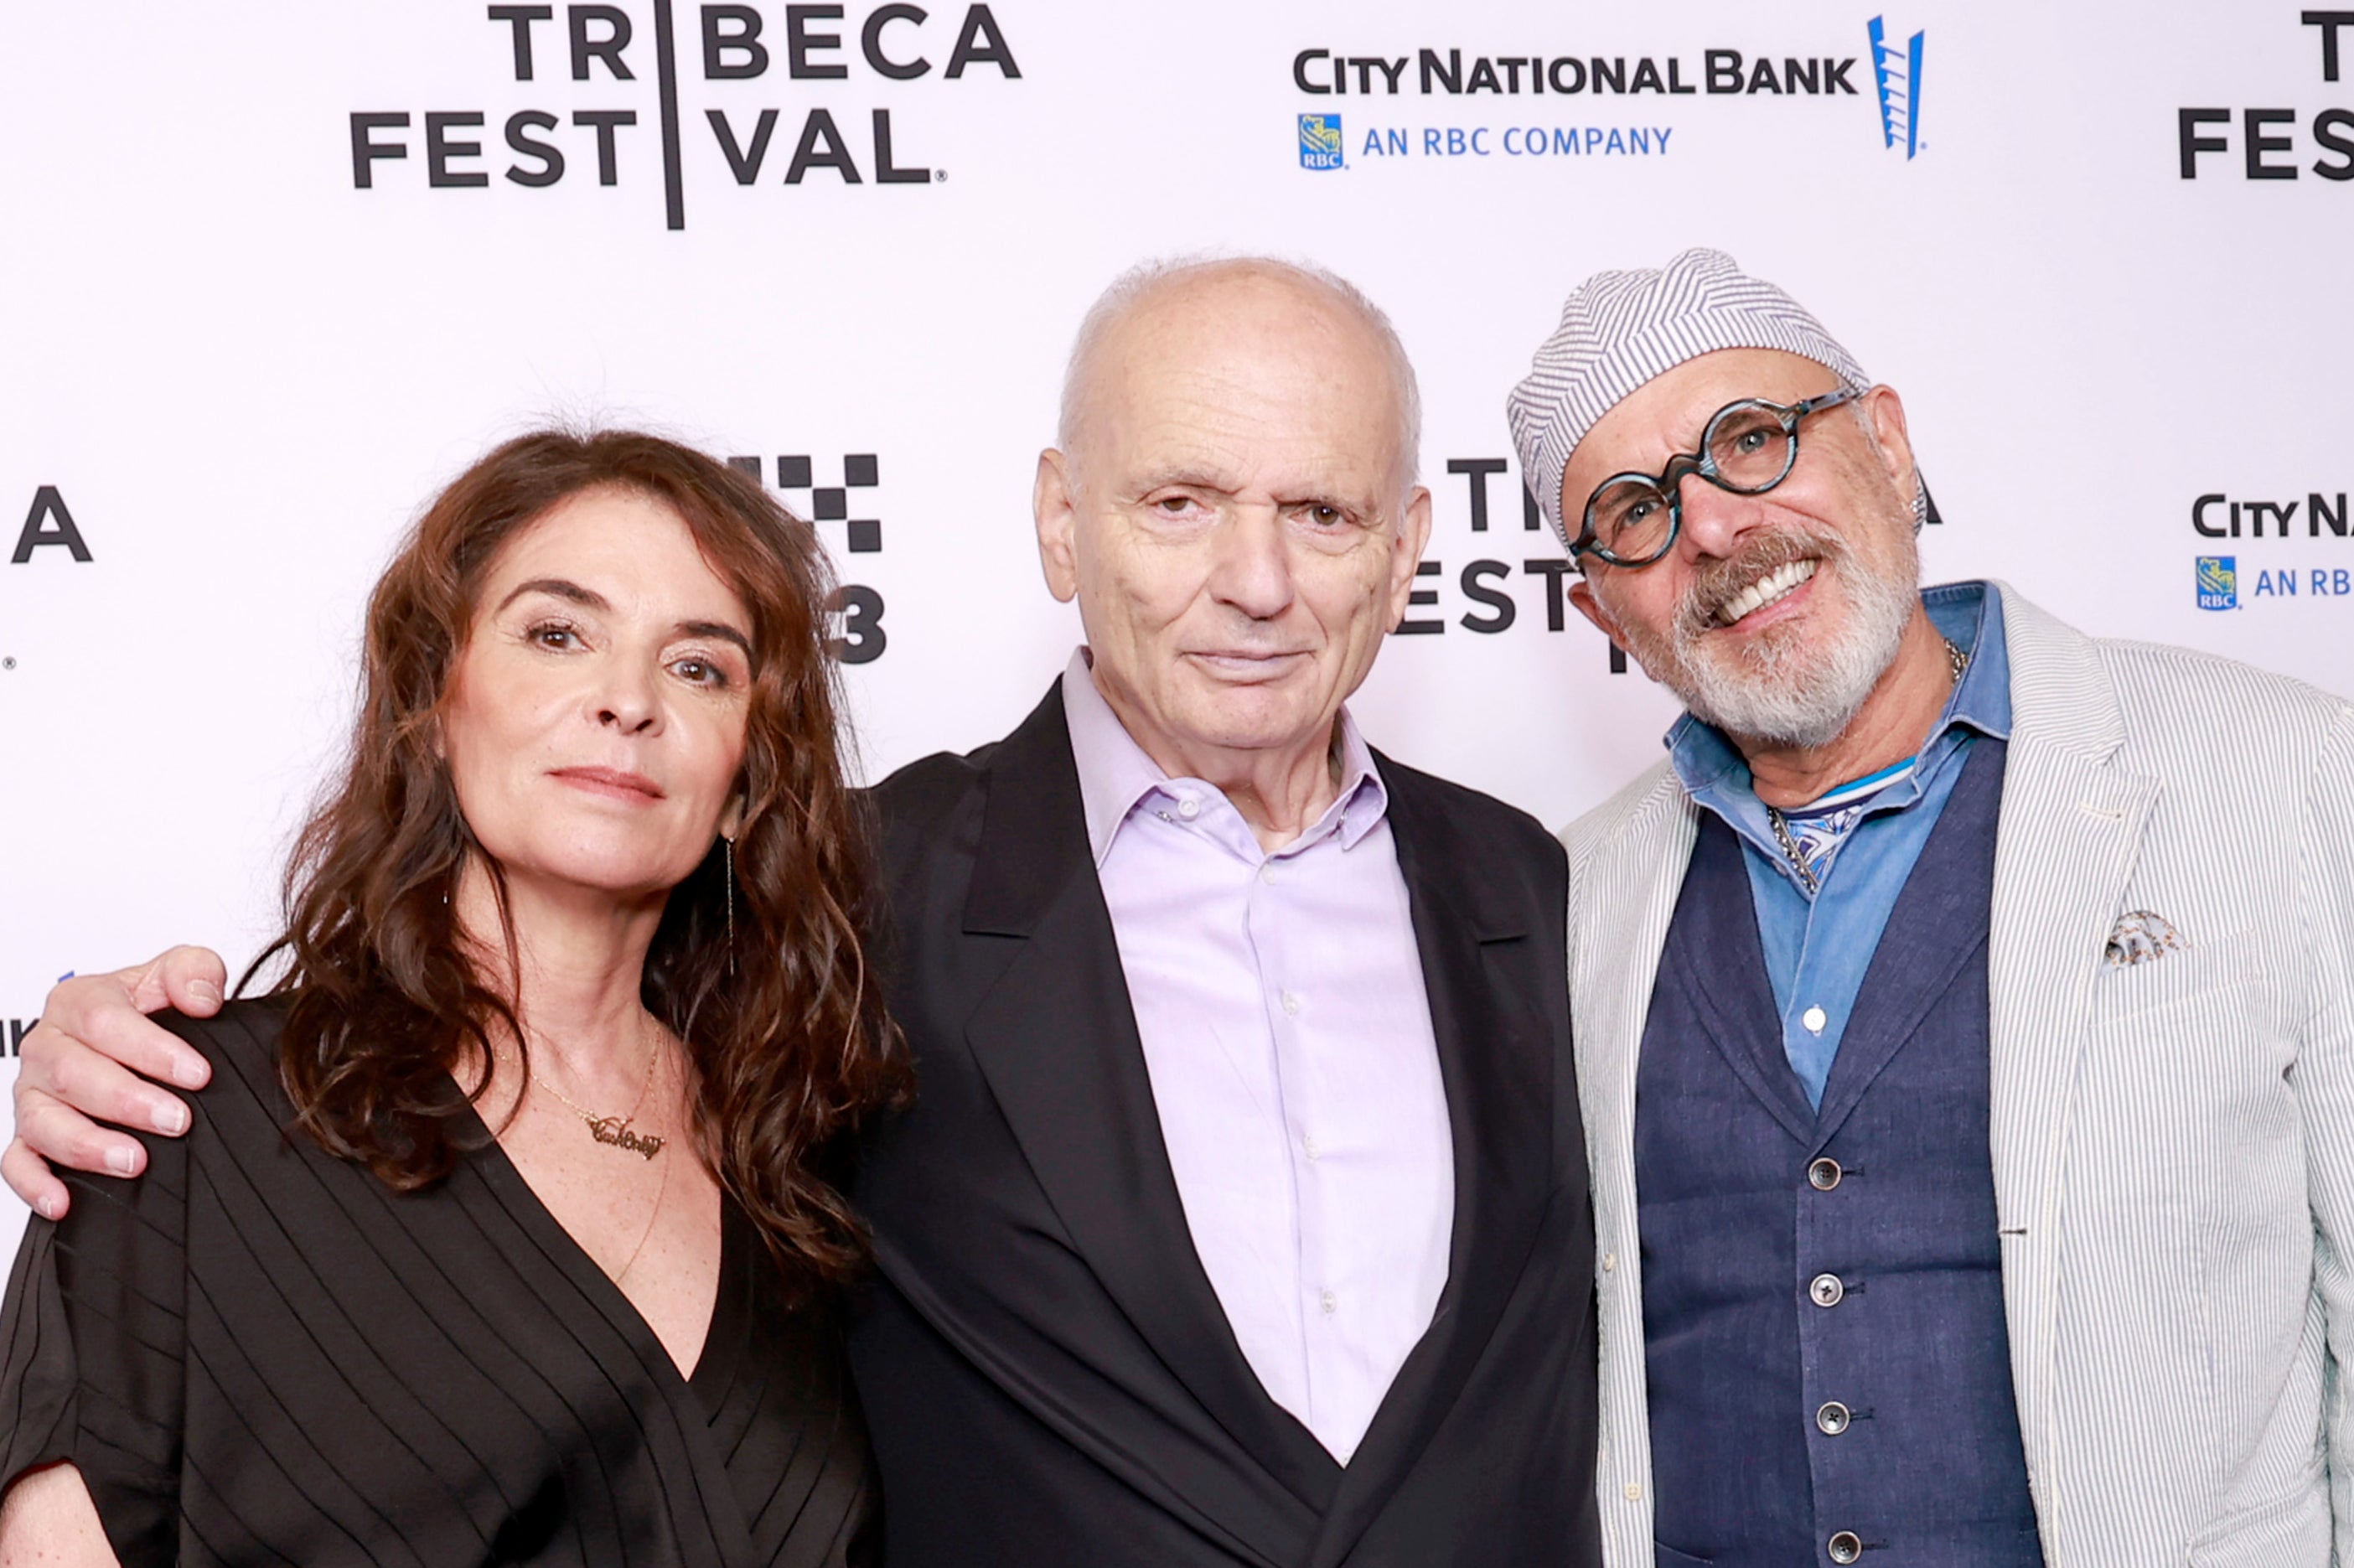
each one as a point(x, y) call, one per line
point(1718, 583)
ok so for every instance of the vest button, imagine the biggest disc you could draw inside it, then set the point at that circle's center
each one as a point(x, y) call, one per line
point(1824, 1174)
point(1826, 1290)
point(1845, 1546)
point(1832, 1419)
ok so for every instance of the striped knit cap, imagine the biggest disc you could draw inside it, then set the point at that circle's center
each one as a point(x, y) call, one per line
point(1619, 329)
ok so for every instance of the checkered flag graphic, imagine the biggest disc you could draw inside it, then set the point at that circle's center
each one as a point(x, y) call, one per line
point(796, 476)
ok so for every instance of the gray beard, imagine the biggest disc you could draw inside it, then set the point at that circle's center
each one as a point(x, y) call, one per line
point(1790, 691)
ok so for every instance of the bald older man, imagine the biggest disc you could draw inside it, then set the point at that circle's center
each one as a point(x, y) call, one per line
point(1242, 1217)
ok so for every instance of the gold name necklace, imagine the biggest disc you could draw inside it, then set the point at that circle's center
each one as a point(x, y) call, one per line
point(615, 1131)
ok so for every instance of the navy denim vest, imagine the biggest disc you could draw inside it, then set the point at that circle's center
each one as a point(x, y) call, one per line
point(1822, 1293)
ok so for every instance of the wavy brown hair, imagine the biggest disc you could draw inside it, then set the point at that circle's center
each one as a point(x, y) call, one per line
point(786, 1036)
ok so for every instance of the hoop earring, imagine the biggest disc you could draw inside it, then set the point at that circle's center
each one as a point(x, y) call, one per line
point(728, 852)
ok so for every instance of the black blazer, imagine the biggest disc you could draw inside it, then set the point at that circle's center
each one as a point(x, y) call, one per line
point(1047, 1373)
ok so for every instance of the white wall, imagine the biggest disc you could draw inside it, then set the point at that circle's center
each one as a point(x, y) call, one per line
point(242, 374)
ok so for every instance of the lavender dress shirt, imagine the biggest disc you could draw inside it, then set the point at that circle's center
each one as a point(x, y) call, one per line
point(1287, 1033)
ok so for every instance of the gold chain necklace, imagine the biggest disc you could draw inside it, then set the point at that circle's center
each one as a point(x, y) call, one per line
point(630, 1262)
point(1955, 657)
point(614, 1131)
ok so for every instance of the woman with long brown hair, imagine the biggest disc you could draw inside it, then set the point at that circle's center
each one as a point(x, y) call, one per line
point(504, 1230)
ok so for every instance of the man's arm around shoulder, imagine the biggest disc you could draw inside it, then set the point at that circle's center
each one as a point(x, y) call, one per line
point(92, 1055)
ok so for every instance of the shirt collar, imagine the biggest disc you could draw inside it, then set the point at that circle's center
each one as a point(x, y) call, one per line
point(1967, 614)
point(1115, 777)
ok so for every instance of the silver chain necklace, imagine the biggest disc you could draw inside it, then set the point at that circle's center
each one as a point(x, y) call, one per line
point(1959, 661)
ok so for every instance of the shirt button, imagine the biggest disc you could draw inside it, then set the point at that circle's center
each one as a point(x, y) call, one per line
point(1844, 1547)
point(1330, 1302)
point(1814, 1018)
point(1826, 1290)
point(1189, 808)
point(1609, 1261)
point(1832, 1419)
point(1267, 872)
point(1824, 1174)
point(1634, 1492)
point(1309, 1144)
point(1291, 1003)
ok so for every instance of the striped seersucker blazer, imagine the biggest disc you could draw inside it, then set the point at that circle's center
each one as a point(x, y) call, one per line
point(2173, 1139)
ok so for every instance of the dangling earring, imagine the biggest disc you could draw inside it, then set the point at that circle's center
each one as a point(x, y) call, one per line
point(727, 848)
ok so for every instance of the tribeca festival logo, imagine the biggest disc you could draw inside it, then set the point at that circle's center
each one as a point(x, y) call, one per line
point(1319, 141)
point(48, 527)
point(1601, 94)
point(1486, 594)
point(1896, 73)
point(2268, 137)
point(2219, 582)
point(599, 43)
point(49, 524)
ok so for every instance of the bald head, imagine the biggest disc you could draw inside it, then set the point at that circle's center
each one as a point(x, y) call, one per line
point(1233, 506)
point(1177, 308)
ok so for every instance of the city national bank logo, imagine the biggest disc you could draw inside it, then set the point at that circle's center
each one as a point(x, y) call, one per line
point(1545, 109)
point(1896, 72)
point(544, 142)
point(2322, 524)
point(2219, 582)
point(1319, 141)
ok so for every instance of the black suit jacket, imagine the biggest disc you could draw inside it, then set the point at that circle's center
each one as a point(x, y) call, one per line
point(1047, 1373)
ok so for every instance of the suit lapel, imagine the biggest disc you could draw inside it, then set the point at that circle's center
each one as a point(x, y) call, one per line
point(1496, 1063)
point(1734, 999)
point(1628, 863)
point(2071, 835)
point(1056, 1038)
point(1621, 906)
point(1936, 928)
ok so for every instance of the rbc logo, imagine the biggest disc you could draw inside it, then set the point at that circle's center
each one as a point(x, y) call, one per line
point(2219, 582)
point(1896, 71)
point(1319, 141)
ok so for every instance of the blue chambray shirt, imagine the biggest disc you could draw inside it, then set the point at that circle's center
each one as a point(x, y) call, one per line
point(1817, 946)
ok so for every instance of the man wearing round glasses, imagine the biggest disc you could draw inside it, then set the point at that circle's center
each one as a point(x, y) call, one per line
point(1965, 1008)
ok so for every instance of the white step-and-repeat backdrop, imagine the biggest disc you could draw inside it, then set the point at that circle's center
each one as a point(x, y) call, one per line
point(270, 274)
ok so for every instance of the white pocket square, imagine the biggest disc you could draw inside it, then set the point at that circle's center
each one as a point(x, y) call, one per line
point(2142, 937)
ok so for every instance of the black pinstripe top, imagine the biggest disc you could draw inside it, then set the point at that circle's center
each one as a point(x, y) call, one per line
point(261, 1354)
